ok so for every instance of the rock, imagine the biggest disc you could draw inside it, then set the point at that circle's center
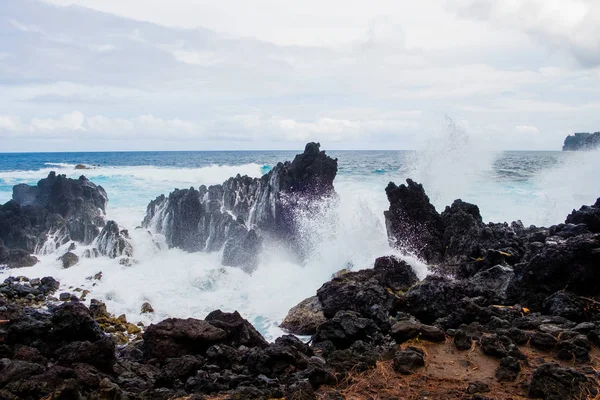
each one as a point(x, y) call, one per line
point(346, 328)
point(543, 341)
point(178, 337)
point(69, 259)
point(16, 258)
point(59, 209)
point(406, 330)
point(569, 306)
point(493, 346)
point(146, 308)
point(582, 141)
point(304, 318)
point(412, 222)
point(65, 296)
point(587, 215)
point(477, 387)
point(371, 292)
point(508, 370)
point(462, 341)
point(81, 166)
point(100, 354)
point(113, 242)
point(570, 263)
point(219, 217)
point(73, 322)
point(551, 382)
point(239, 331)
point(408, 360)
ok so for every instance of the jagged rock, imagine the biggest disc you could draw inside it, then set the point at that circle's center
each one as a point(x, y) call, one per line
point(570, 264)
point(587, 215)
point(178, 337)
point(346, 328)
point(551, 382)
point(477, 387)
point(146, 308)
point(16, 258)
point(240, 332)
point(68, 209)
point(408, 360)
point(304, 318)
point(69, 259)
point(113, 242)
point(406, 330)
point(462, 341)
point(235, 215)
point(412, 222)
point(508, 370)
point(370, 292)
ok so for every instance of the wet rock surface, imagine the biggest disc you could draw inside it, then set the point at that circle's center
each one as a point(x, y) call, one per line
point(236, 215)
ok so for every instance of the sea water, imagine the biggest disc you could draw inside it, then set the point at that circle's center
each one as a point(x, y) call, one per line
point(538, 188)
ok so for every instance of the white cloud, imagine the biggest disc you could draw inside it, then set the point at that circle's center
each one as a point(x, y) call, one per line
point(202, 58)
point(527, 129)
point(570, 25)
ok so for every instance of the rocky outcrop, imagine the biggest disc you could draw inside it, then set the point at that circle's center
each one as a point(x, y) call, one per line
point(238, 214)
point(582, 141)
point(412, 222)
point(43, 217)
point(113, 242)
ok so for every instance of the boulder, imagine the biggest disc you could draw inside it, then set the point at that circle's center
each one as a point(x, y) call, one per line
point(113, 242)
point(69, 259)
point(412, 222)
point(178, 337)
point(552, 382)
point(409, 360)
point(304, 318)
point(239, 332)
point(409, 329)
point(587, 215)
point(54, 212)
point(345, 328)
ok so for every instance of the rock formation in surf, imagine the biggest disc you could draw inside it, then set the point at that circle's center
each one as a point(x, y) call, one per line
point(582, 141)
point(54, 212)
point(543, 260)
point(237, 215)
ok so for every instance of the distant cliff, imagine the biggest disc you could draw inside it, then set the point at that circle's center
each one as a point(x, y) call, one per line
point(582, 141)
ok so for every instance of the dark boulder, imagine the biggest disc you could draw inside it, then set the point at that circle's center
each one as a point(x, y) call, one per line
point(508, 370)
point(587, 215)
point(370, 292)
point(174, 337)
point(239, 332)
point(407, 361)
point(73, 322)
point(552, 382)
point(69, 259)
point(403, 331)
point(570, 264)
point(100, 354)
point(346, 328)
point(304, 318)
point(412, 222)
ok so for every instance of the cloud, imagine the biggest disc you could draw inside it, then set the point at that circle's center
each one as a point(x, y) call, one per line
point(572, 26)
point(527, 129)
point(367, 75)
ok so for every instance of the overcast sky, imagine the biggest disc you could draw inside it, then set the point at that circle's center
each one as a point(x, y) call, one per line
point(273, 74)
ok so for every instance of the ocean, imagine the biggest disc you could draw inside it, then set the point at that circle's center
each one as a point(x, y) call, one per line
point(538, 188)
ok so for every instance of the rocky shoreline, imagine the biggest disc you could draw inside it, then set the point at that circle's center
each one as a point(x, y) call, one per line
point(507, 312)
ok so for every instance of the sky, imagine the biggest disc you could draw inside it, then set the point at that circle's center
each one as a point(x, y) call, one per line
point(93, 75)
